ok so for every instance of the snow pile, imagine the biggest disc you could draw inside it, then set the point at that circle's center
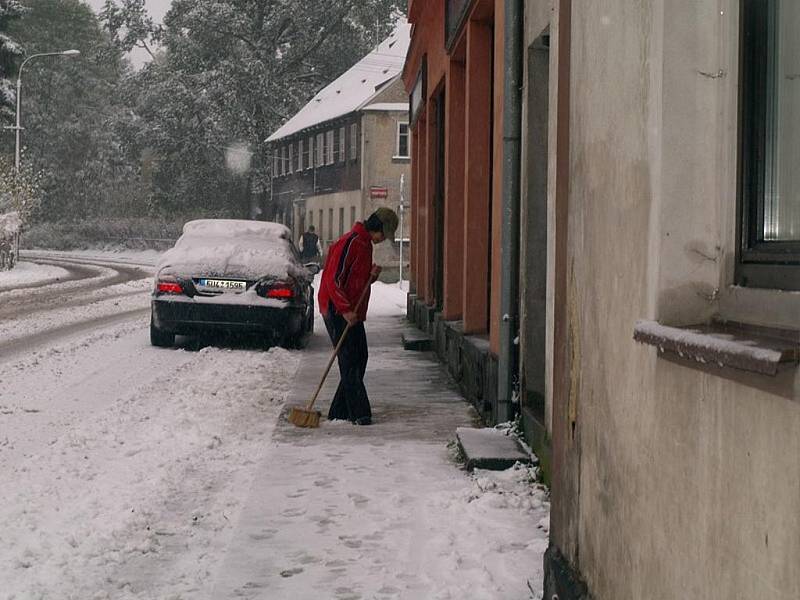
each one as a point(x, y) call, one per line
point(135, 485)
point(26, 273)
point(387, 300)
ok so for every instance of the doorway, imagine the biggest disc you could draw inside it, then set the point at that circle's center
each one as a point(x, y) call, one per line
point(534, 234)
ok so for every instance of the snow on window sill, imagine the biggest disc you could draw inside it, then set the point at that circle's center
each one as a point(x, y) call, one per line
point(725, 344)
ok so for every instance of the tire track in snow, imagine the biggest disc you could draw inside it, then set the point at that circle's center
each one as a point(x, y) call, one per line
point(53, 297)
point(50, 336)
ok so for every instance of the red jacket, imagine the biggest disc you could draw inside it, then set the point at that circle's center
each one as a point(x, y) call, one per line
point(347, 271)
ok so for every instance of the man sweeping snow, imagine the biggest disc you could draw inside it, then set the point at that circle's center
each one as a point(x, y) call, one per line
point(348, 271)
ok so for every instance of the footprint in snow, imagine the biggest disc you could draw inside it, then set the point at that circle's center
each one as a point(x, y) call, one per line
point(358, 499)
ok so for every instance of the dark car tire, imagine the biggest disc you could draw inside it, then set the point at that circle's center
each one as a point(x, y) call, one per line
point(160, 338)
point(301, 339)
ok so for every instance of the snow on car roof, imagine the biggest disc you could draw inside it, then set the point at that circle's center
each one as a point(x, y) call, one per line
point(232, 248)
point(234, 227)
point(356, 87)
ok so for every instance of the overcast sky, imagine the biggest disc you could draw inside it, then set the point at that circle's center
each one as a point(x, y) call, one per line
point(157, 8)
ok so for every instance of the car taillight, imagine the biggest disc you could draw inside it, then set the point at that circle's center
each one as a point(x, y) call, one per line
point(169, 287)
point(281, 292)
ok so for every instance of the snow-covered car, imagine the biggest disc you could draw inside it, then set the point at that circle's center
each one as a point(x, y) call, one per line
point(233, 276)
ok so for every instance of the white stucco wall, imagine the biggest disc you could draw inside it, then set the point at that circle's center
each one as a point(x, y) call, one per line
point(689, 479)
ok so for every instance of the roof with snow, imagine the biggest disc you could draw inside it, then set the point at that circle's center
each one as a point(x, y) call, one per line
point(356, 88)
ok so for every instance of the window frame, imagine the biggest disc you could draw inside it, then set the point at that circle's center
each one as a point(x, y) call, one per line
point(320, 144)
point(353, 141)
point(329, 146)
point(759, 263)
point(397, 153)
point(300, 155)
point(342, 144)
point(290, 163)
point(310, 161)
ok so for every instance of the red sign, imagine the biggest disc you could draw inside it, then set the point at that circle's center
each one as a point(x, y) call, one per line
point(378, 192)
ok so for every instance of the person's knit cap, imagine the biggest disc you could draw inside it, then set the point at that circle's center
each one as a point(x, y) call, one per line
point(389, 220)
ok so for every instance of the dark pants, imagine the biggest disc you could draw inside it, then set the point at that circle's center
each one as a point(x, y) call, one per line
point(350, 402)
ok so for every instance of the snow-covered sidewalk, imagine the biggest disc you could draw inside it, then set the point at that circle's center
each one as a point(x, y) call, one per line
point(385, 511)
point(137, 473)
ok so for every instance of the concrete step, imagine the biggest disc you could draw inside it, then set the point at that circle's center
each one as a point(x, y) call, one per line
point(417, 341)
point(490, 449)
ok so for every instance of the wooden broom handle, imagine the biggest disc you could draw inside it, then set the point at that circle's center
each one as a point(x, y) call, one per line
point(338, 347)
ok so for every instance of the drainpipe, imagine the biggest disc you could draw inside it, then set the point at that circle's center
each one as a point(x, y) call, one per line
point(512, 130)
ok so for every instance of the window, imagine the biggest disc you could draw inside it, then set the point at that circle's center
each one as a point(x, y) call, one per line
point(311, 218)
point(329, 146)
point(321, 224)
point(354, 141)
point(402, 141)
point(341, 222)
point(290, 164)
point(455, 12)
point(283, 160)
point(769, 235)
point(330, 223)
point(310, 157)
point(275, 162)
point(300, 155)
point(342, 151)
point(320, 149)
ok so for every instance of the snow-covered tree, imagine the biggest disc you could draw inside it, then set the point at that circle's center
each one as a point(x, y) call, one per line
point(70, 107)
point(20, 192)
point(230, 72)
point(10, 53)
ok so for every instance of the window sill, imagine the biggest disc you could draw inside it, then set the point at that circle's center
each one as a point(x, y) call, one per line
point(725, 344)
point(401, 159)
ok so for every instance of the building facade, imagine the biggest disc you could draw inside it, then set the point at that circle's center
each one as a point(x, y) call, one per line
point(347, 152)
point(454, 76)
point(658, 278)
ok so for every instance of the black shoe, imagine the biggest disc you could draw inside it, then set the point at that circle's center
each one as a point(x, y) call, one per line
point(363, 421)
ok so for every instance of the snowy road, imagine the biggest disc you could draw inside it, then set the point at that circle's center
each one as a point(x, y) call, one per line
point(116, 451)
point(74, 296)
point(139, 473)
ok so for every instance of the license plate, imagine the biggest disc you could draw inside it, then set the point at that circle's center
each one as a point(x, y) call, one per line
point(224, 284)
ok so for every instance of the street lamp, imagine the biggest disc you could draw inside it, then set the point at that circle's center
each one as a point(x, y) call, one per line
point(18, 127)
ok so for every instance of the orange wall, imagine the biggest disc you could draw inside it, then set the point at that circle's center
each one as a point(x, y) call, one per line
point(428, 41)
point(497, 178)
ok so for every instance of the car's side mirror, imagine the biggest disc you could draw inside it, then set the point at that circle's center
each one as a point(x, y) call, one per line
point(312, 268)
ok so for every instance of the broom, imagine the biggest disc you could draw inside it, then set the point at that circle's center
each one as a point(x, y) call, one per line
point(306, 416)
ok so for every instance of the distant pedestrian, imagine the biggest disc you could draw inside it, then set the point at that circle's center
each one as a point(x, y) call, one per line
point(309, 245)
point(348, 269)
